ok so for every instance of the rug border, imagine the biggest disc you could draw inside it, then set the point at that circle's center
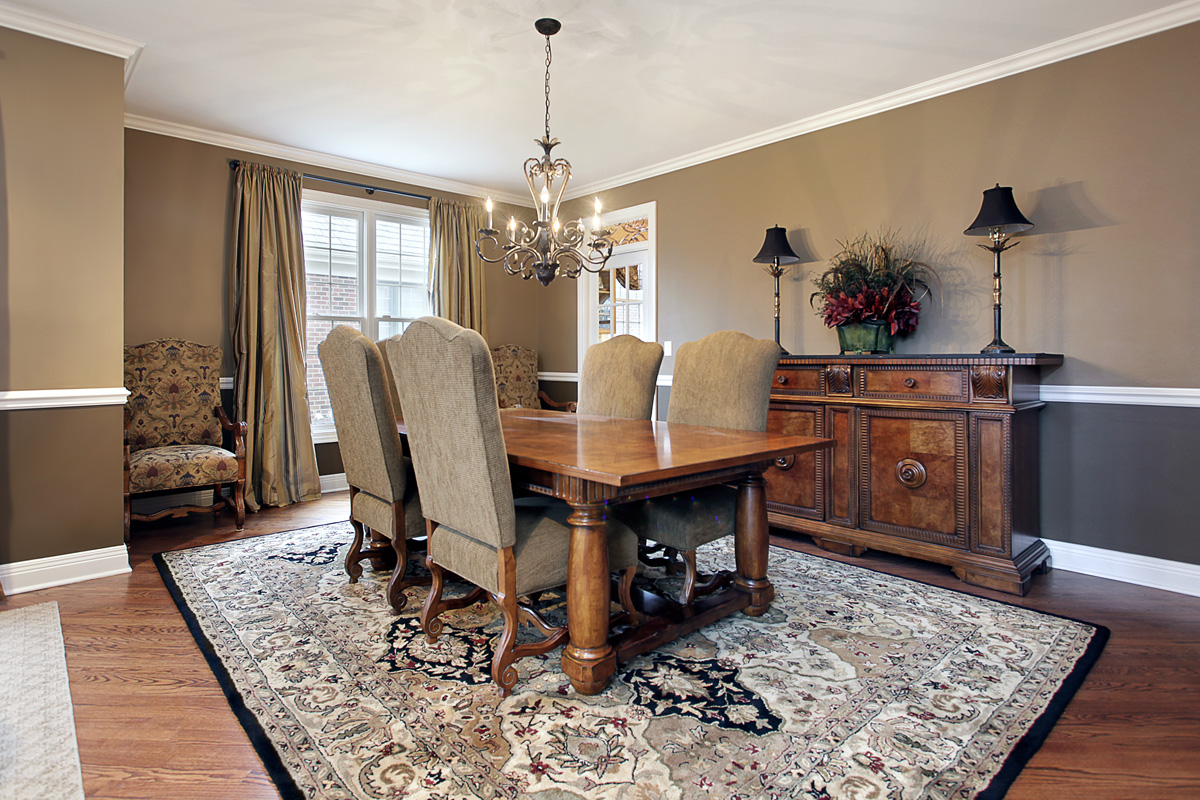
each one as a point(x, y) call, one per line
point(284, 783)
point(1001, 782)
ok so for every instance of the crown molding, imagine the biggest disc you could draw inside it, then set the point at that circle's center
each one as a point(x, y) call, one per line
point(1153, 22)
point(26, 21)
point(260, 147)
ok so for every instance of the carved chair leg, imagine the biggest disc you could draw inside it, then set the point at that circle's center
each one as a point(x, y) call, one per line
point(433, 602)
point(353, 566)
point(239, 504)
point(688, 593)
point(503, 672)
point(397, 584)
point(625, 594)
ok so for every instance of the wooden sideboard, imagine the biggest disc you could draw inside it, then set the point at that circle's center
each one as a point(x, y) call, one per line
point(936, 457)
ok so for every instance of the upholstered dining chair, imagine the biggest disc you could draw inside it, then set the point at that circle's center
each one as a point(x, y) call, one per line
point(173, 429)
point(383, 492)
point(723, 381)
point(618, 378)
point(508, 549)
point(517, 381)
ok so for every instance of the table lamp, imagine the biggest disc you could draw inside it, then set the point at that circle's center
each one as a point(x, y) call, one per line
point(775, 252)
point(998, 217)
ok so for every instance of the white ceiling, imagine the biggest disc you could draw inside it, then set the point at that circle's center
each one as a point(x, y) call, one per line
point(453, 89)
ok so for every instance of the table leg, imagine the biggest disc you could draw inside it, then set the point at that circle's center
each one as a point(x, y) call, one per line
point(752, 543)
point(588, 659)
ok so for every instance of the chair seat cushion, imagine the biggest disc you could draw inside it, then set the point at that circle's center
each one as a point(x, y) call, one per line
point(543, 541)
point(179, 466)
point(684, 521)
point(376, 513)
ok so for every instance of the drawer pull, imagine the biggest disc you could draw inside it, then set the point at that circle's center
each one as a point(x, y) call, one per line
point(909, 382)
point(781, 380)
point(785, 462)
point(911, 473)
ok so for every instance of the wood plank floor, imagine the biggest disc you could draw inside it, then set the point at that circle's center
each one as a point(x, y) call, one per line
point(152, 721)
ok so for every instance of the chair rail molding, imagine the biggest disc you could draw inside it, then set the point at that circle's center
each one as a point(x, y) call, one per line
point(61, 398)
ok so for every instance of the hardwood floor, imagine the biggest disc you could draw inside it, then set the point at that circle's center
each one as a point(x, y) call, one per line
point(152, 721)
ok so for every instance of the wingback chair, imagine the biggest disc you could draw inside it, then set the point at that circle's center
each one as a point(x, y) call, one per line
point(517, 381)
point(173, 429)
point(618, 378)
point(383, 492)
point(507, 548)
point(723, 381)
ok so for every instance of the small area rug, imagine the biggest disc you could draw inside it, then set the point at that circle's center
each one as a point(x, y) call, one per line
point(39, 757)
point(855, 684)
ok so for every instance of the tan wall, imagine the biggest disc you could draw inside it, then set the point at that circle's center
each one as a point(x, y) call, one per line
point(177, 230)
point(62, 117)
point(1101, 153)
point(60, 294)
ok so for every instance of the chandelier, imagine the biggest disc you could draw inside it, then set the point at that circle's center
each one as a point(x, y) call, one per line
point(549, 247)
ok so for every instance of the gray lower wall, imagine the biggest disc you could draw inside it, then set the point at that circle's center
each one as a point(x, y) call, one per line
point(1122, 477)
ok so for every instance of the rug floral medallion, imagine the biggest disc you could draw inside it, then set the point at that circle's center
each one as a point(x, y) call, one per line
point(854, 685)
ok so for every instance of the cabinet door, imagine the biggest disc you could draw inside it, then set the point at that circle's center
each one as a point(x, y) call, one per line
point(913, 473)
point(793, 485)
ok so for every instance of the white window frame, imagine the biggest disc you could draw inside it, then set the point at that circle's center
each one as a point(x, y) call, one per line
point(587, 311)
point(367, 210)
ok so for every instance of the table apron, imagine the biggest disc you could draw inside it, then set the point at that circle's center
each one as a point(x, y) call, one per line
point(584, 491)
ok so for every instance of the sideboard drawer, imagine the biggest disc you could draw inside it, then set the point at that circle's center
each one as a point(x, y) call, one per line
point(797, 381)
point(913, 383)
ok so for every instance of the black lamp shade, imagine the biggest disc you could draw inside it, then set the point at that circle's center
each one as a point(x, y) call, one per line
point(999, 210)
point(776, 246)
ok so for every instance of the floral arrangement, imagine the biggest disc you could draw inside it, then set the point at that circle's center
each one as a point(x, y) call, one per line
point(873, 279)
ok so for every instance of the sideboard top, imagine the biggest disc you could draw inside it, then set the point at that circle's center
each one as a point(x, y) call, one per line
point(915, 359)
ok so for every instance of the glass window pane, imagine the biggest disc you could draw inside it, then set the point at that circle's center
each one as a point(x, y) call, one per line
point(319, 412)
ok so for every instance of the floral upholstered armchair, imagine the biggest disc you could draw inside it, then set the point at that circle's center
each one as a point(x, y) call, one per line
point(517, 380)
point(173, 428)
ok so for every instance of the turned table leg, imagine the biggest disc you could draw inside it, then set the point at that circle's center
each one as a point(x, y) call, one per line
point(752, 543)
point(588, 659)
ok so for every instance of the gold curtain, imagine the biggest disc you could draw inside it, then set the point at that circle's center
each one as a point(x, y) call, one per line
point(455, 270)
point(267, 316)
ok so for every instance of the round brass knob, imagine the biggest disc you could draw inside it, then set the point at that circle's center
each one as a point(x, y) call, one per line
point(781, 380)
point(909, 382)
point(785, 462)
point(911, 473)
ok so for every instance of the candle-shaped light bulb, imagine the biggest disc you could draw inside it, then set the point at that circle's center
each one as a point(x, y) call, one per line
point(512, 226)
point(555, 225)
point(545, 195)
point(488, 206)
point(596, 216)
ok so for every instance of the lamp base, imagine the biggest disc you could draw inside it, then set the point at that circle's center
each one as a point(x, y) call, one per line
point(997, 346)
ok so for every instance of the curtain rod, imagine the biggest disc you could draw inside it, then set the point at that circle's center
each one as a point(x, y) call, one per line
point(233, 163)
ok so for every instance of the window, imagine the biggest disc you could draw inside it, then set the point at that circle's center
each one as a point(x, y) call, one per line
point(621, 297)
point(367, 266)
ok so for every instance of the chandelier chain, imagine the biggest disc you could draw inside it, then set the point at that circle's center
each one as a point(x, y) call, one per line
point(548, 59)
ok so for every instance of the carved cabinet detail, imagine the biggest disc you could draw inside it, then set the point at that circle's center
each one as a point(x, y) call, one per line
point(935, 457)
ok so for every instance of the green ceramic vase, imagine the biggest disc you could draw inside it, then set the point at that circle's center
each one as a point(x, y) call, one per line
point(864, 337)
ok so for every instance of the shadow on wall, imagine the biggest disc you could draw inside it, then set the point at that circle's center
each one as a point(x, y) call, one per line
point(6, 339)
point(1058, 211)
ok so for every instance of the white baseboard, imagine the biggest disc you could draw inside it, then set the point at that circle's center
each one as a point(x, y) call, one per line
point(1156, 573)
point(334, 483)
point(42, 573)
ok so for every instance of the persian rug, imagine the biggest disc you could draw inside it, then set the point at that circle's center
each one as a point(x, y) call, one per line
point(855, 684)
point(39, 757)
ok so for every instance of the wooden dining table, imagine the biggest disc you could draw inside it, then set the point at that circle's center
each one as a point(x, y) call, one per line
point(592, 462)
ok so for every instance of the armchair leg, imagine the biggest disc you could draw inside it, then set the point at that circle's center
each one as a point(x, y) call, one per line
point(353, 556)
point(239, 500)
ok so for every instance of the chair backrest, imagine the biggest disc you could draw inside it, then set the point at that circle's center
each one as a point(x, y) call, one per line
point(516, 376)
point(389, 377)
point(174, 388)
point(363, 413)
point(723, 380)
point(618, 377)
point(449, 395)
